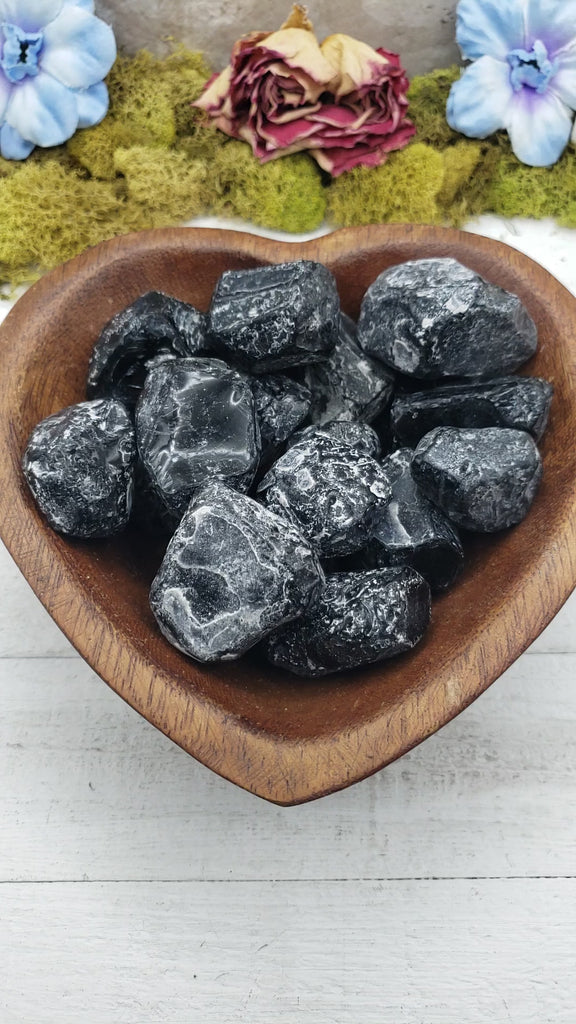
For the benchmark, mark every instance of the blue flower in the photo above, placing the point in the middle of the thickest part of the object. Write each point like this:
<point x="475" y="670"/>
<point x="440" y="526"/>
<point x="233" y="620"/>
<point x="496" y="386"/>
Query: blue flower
<point x="523" y="75"/>
<point x="53" y="57"/>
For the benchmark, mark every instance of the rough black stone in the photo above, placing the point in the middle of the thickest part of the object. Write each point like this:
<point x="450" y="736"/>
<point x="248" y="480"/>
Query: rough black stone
<point x="79" y="464"/>
<point x="522" y="403"/>
<point x="359" y="618"/>
<point x="281" y="406"/>
<point x="357" y="435"/>
<point x="153" y="329"/>
<point x="196" y="421"/>
<point x="276" y="316"/>
<point x="329" y="490"/>
<point x="411" y="530"/>
<point x="436" y="318"/>
<point x="483" y="479"/>
<point x="348" y="385"/>
<point x="149" y="510"/>
<point x="232" y="573"/>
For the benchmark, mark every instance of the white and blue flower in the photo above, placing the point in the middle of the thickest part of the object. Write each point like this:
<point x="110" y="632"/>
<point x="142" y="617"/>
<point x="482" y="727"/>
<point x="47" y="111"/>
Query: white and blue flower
<point x="523" y="75"/>
<point x="53" y="57"/>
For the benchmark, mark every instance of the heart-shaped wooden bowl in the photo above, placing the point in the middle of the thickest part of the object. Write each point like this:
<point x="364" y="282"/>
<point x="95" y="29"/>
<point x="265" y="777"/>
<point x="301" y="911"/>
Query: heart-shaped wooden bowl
<point x="282" y="738"/>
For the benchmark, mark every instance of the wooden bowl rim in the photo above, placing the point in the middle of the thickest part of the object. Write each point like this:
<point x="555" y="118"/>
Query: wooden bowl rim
<point x="359" y="749"/>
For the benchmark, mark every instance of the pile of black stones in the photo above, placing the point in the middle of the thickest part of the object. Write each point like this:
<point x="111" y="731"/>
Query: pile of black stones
<point x="313" y="478"/>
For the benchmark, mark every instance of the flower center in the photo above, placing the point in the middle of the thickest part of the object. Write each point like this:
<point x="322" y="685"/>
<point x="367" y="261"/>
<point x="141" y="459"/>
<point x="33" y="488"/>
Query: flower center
<point x="531" y="67"/>
<point x="20" y="53"/>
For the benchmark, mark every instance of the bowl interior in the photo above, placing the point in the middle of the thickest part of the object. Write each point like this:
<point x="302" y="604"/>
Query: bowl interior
<point x="286" y="739"/>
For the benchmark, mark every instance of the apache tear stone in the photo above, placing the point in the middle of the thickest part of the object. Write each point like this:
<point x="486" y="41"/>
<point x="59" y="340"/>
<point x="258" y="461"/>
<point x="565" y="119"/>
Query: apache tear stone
<point x="149" y="511"/>
<point x="357" y="435"/>
<point x="348" y="385"/>
<point x="79" y="465"/>
<point x="328" y="490"/>
<point x="281" y="405"/>
<point x="232" y="573"/>
<point x="277" y="316"/>
<point x="412" y="531"/>
<point x="522" y="403"/>
<point x="155" y="328"/>
<point x="196" y="421"/>
<point x="483" y="479"/>
<point x="436" y="318"/>
<point x="360" y="618"/>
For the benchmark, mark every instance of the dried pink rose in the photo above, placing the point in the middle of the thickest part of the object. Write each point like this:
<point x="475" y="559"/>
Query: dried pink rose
<point x="283" y="93"/>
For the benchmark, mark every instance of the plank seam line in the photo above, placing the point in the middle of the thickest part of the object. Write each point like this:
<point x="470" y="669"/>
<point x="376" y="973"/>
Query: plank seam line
<point x="260" y="881"/>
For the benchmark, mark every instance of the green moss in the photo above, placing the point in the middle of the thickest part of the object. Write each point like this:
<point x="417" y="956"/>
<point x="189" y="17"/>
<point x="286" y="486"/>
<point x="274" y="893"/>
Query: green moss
<point x="163" y="185"/>
<point x="150" y="105"/>
<point x="48" y="214"/>
<point x="519" y="191"/>
<point x="285" y="194"/>
<point x="405" y="188"/>
<point x="428" y="95"/>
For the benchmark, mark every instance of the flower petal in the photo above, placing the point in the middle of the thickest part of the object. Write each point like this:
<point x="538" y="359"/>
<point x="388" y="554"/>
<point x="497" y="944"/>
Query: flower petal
<point x="539" y="127"/>
<point x="299" y="49"/>
<point x="552" y="21"/>
<point x="355" y="63"/>
<point x="5" y="93"/>
<point x="79" y="49"/>
<point x="478" y="101"/>
<point x="564" y="81"/>
<point x="43" y="110"/>
<point x="12" y="145"/>
<point x="92" y="105"/>
<point x="31" y="16"/>
<point x="490" y="27"/>
<point x="87" y="5"/>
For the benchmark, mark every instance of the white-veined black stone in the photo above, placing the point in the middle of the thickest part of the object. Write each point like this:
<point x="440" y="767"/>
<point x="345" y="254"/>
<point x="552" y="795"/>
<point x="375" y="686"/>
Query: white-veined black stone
<point x="328" y="490"/>
<point x="196" y="421"/>
<point x="359" y="618"/>
<point x="521" y="403"/>
<point x="274" y="317"/>
<point x="232" y="573"/>
<point x="348" y="385"/>
<point x="436" y="318"/>
<point x="154" y="328"/>
<point x="281" y="406"/>
<point x="484" y="479"/>
<point x="411" y="530"/>
<point x="79" y="464"/>
<point x="357" y="435"/>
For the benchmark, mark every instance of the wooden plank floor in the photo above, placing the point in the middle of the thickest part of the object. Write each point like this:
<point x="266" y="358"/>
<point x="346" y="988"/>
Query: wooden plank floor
<point x="136" y="886"/>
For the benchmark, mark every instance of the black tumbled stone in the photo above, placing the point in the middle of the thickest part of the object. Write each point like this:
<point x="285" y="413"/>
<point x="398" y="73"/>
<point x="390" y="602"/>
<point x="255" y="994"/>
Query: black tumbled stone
<point x="232" y="573"/>
<point x="154" y="328"/>
<point x="436" y="318"/>
<point x="281" y="406"/>
<point x="484" y="479"/>
<point x="275" y="317"/>
<point x="522" y="403"/>
<point x="328" y="490"/>
<point x="79" y="464"/>
<point x="359" y="618"/>
<point x="411" y="530"/>
<point x="196" y="421"/>
<point x="357" y="435"/>
<point x="348" y="385"/>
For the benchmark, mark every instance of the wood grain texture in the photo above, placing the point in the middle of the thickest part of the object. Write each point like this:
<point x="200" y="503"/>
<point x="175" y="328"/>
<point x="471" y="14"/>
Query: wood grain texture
<point x="416" y="952"/>
<point x="278" y="738"/>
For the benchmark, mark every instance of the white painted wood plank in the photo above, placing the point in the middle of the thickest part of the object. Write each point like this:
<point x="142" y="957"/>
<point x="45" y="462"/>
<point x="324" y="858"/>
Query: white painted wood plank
<point x="429" y="952"/>
<point x="90" y="790"/>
